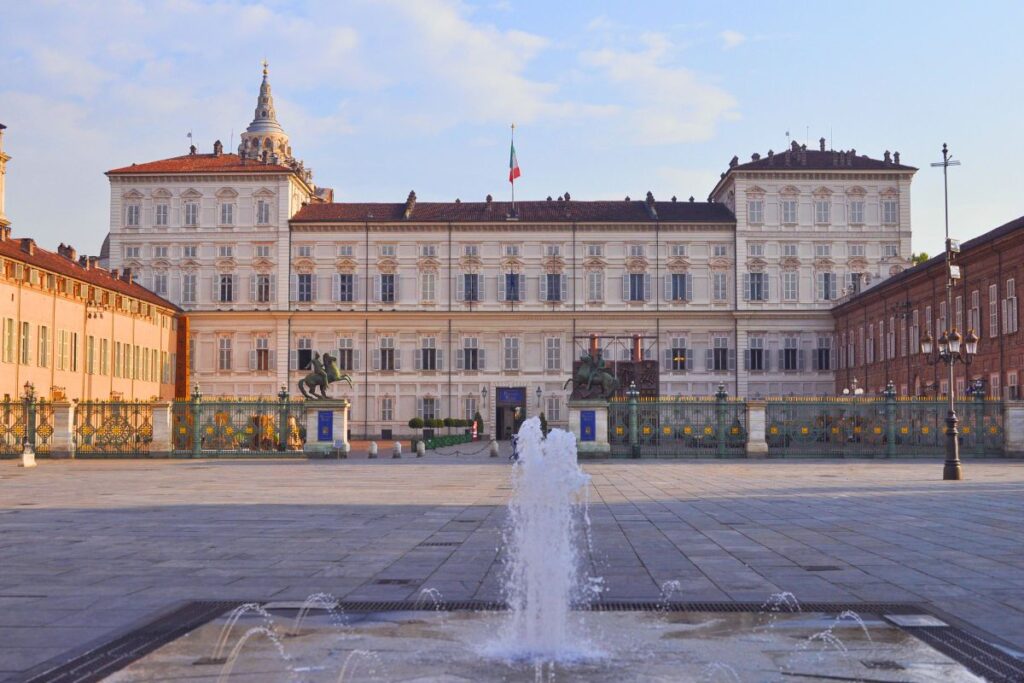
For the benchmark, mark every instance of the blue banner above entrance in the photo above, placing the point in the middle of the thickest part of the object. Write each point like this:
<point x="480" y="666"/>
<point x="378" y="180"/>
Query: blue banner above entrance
<point x="512" y="396"/>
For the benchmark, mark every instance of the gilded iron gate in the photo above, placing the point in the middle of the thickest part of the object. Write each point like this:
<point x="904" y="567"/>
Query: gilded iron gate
<point x="21" y="420"/>
<point x="237" y="427"/>
<point x="113" y="428"/>
<point x="680" y="427"/>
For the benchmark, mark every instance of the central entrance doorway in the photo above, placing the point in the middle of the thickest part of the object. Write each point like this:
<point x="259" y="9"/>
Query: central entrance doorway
<point x="510" y="411"/>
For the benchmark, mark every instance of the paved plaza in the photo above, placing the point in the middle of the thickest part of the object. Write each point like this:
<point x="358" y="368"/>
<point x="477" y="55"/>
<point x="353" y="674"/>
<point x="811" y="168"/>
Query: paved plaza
<point x="88" y="548"/>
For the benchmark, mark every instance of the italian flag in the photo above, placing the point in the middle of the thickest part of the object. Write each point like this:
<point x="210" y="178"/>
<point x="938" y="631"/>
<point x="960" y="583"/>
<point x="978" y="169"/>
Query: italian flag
<point x="513" y="165"/>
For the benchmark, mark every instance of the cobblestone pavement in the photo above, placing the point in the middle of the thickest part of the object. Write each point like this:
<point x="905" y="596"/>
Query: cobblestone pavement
<point x="91" y="547"/>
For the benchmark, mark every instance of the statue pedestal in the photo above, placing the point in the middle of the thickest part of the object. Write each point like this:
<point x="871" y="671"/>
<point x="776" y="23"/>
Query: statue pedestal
<point x="588" y="420"/>
<point x="326" y="426"/>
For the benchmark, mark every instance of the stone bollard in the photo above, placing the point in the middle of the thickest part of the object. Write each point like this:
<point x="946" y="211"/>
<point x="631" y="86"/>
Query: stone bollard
<point x="28" y="454"/>
<point x="421" y="449"/>
<point x="344" y="450"/>
<point x="494" y="447"/>
<point x="373" y="450"/>
<point x="396" y="450"/>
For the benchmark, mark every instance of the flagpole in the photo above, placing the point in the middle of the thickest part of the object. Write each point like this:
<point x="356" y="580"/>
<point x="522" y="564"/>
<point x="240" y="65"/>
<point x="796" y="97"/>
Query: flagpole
<point x="511" y="176"/>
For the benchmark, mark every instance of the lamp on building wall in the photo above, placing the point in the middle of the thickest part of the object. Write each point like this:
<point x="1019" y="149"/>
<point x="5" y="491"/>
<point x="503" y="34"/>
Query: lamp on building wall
<point x="30" y="391"/>
<point x="539" y="392"/>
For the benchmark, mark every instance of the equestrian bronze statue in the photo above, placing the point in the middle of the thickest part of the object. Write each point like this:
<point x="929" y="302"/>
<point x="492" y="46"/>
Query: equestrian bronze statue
<point x="325" y="372"/>
<point x="592" y="380"/>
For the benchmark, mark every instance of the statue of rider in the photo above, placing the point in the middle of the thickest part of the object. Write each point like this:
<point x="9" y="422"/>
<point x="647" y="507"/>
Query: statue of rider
<point x="318" y="366"/>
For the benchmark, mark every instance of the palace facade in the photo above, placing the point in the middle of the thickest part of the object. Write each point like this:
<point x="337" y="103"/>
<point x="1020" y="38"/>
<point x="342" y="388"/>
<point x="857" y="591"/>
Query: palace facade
<point x="446" y="309"/>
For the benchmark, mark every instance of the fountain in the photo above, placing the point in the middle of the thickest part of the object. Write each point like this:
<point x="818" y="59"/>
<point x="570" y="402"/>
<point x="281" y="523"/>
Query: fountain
<point x="554" y="628"/>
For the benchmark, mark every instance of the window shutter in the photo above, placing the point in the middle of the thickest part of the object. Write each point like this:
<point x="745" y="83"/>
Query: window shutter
<point x="667" y="286"/>
<point x="746" y="359"/>
<point x="376" y="358"/>
<point x="543" y="289"/>
<point x="293" y="287"/>
<point x="398" y="282"/>
<point x="336" y="287"/>
<point x="709" y="358"/>
<point x="271" y="360"/>
<point x="273" y="288"/>
<point x="419" y="407"/>
<point x="667" y="354"/>
<point x="766" y="293"/>
<point x="746" y="286"/>
<point x="376" y="288"/>
<point x="440" y="359"/>
<point x="417" y="357"/>
<point x="252" y="360"/>
<point x="460" y="286"/>
<point x="688" y="354"/>
<point x="732" y="359"/>
<point x="356" y="287"/>
<point x="481" y="364"/>
<point x="564" y="285"/>
<point x="398" y="359"/>
<point x="252" y="288"/>
<point x="625" y="287"/>
<point x="801" y="356"/>
<point x="648" y="292"/>
<point x="816" y="360"/>
<point x="501" y="286"/>
<point x="460" y="359"/>
<point x="293" y="360"/>
<point x="767" y="355"/>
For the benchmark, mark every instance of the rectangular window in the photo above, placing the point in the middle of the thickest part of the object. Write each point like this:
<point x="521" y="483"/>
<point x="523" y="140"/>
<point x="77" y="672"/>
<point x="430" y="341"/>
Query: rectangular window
<point x="552" y="286"/>
<point x="470" y="287"/>
<point x="789" y="211"/>
<point x="595" y="250"/>
<point x="227" y="288"/>
<point x="790" y="354"/>
<point x="755" y="249"/>
<point x="346" y="354"/>
<point x="974" y="314"/>
<point x="225" y="251"/>
<point x="132" y="252"/>
<point x="9" y="336"/>
<point x="857" y="212"/>
<point x="595" y="285"/>
<point x="679" y="287"/>
<point x="826" y="286"/>
<point x="304" y="353"/>
<point x="104" y="356"/>
<point x="26" y="344"/>
<point x="160" y="283"/>
<point x="90" y="355"/>
<point x="823" y="250"/>
<point x="428" y="354"/>
<point x="304" y="251"/>
<point x="428" y="250"/>
<point x="43" y="359"/>
<point x="755" y="211"/>
<point x="678" y="250"/>
<point x="262" y="354"/>
<point x="428" y="408"/>
<point x="720" y="354"/>
<point x="553" y="353"/>
<point x="262" y="212"/>
<point x="188" y="288"/>
<point x="552" y="250"/>
<point x="387" y="354"/>
<point x="510" y="250"/>
<point x="160" y="251"/>
<point x="224" y="353"/>
<point x="133" y="212"/>
<point x="388" y="250"/>
<point x="636" y="250"/>
<point x="757" y="286"/>
<point x="261" y="251"/>
<point x="471" y="250"/>
<point x="469" y="407"/>
<point x="554" y="408"/>
<point x="720" y="286"/>
<point x="720" y="250"/>
<point x="636" y="287"/>
<point x="1010" y="307"/>
<point x="890" y="250"/>
<point x="512" y="287"/>
<point x="823" y="354"/>
<point x="890" y="212"/>
<point x="304" y="284"/>
<point x="856" y="250"/>
<point x="118" y="369"/>
<point x="993" y="310"/>
<point x="472" y="356"/>
<point x="189" y="251"/>
<point x="822" y="211"/>
<point x="678" y="358"/>
<point x="755" y="355"/>
<point x="387" y="288"/>
<point x="790" y="285"/>
<point x="162" y="212"/>
<point x="191" y="210"/>
<point x="262" y="294"/>
<point x="227" y="214"/>
<point x="387" y="409"/>
<point x="345" y="250"/>
<point x="511" y="347"/>
<point x="789" y="249"/>
<point x="73" y="343"/>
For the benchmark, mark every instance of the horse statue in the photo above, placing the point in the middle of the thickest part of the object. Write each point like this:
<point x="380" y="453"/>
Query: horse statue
<point x="324" y="373"/>
<point x="592" y="371"/>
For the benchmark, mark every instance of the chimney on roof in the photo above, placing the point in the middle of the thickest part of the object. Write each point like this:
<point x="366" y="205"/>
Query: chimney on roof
<point x="5" y="233"/>
<point x="113" y="273"/>
<point x="896" y="157"/>
<point x="887" y="157"/>
<point x="28" y="245"/>
<point x="410" y="204"/>
<point x="94" y="262"/>
<point x="821" y="144"/>
<point x="734" y="161"/>
<point x="83" y="262"/>
<point x="192" y="150"/>
<point x="70" y="253"/>
<point x="218" y="148"/>
<point x="126" y="275"/>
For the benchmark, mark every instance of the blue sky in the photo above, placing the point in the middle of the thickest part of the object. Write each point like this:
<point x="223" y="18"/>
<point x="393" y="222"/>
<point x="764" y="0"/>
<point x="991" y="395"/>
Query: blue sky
<point x="609" y="99"/>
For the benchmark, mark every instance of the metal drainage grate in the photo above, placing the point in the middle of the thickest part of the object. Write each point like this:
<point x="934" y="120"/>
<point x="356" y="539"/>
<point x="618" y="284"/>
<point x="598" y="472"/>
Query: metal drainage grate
<point x="393" y="582"/>
<point x="822" y="568"/>
<point x="440" y="544"/>
<point x="989" y="662"/>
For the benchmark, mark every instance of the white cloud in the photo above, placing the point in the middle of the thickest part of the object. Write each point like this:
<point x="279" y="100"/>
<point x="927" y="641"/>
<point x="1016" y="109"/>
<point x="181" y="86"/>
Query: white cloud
<point x="665" y="103"/>
<point x="731" y="39"/>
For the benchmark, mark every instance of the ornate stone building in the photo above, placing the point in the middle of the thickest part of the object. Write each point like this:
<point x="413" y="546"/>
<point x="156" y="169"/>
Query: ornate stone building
<point x="445" y="309"/>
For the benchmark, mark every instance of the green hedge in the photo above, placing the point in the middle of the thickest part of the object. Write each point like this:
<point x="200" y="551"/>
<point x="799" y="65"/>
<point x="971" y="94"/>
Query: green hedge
<point x="447" y="440"/>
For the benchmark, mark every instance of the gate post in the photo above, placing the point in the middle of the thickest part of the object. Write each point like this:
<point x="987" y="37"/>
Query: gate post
<point x="283" y="432"/>
<point x="634" y="425"/>
<point x="63" y="444"/>
<point x="197" y="432"/>
<point x="979" y="424"/>
<point x="162" y="443"/>
<point x="1013" y="428"/>
<point x="30" y="419"/>
<point x="757" y="420"/>
<point x="890" y="420"/>
<point x="720" y="427"/>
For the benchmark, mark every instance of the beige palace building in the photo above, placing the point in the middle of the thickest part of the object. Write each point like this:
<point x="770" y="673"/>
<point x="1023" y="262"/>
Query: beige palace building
<point x="73" y="329"/>
<point x="442" y="309"/>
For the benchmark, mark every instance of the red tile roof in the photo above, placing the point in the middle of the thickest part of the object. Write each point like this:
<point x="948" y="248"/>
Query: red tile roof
<point x="817" y="160"/>
<point x="203" y="163"/>
<point x="637" y="211"/>
<point x="99" y="277"/>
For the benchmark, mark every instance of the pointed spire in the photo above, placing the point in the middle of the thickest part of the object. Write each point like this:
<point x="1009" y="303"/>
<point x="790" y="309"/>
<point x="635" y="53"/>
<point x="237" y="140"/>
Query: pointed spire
<point x="265" y="136"/>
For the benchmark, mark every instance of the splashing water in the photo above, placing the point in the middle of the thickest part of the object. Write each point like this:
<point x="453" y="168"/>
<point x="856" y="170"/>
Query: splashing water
<point x="668" y="589"/>
<point x="229" y="665"/>
<point x="236" y="614"/>
<point x="433" y="595"/>
<point x="717" y="672"/>
<point x="781" y="602"/>
<point x="544" y="573"/>
<point x="353" y="660"/>
<point x="320" y="601"/>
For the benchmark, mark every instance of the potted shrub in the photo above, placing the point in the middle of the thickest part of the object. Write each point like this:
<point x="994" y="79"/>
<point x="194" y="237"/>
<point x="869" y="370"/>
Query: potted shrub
<point x="478" y="418"/>
<point x="543" y="424"/>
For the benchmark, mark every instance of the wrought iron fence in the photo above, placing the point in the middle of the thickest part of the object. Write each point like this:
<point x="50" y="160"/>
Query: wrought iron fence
<point x="113" y="428"/>
<point x="678" y="427"/>
<point x="237" y="427"/>
<point x="22" y="420"/>
<point x="878" y="427"/>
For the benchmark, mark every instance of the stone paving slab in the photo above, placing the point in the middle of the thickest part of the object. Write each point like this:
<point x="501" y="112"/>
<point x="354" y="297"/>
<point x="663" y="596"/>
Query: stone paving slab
<point x="91" y="547"/>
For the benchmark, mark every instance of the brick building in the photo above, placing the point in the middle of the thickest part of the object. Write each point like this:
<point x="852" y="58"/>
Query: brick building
<point x="878" y="332"/>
